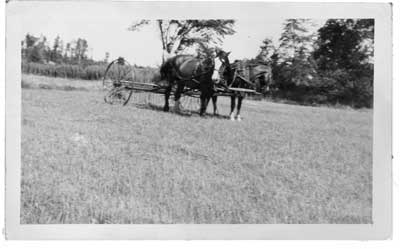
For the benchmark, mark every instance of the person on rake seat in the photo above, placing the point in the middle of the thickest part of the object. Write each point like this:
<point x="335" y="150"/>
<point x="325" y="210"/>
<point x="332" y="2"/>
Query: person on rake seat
<point x="170" y="51"/>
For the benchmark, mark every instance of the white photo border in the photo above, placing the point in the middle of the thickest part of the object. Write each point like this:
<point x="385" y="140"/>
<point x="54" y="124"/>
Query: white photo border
<point x="382" y="128"/>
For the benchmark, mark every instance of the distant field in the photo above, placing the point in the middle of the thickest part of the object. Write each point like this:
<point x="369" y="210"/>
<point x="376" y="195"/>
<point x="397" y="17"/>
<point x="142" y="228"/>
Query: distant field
<point x="44" y="82"/>
<point x="84" y="161"/>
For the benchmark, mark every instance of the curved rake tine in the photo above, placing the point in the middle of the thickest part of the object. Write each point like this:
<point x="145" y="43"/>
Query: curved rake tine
<point x="150" y="99"/>
<point x="129" y="97"/>
<point x="190" y="104"/>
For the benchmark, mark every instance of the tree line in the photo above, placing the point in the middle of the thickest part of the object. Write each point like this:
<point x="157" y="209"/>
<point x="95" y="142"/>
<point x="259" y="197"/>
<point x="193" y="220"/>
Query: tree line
<point x="332" y="66"/>
<point x="67" y="60"/>
<point x="37" y="49"/>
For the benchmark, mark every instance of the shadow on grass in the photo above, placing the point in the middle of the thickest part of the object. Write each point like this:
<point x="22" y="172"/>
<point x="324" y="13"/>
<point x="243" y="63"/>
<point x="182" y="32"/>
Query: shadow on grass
<point x="186" y="113"/>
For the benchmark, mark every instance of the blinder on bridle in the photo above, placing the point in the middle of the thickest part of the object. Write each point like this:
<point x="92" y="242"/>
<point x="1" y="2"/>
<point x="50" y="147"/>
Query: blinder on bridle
<point x="221" y="55"/>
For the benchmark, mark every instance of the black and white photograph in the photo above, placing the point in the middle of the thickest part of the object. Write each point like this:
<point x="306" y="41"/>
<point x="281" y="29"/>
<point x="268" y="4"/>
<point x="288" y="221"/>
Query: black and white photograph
<point x="128" y="118"/>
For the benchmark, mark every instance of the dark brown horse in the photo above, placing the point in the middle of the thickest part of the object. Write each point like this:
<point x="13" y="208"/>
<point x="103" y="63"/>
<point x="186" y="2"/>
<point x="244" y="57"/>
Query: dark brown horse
<point x="240" y="75"/>
<point x="191" y="72"/>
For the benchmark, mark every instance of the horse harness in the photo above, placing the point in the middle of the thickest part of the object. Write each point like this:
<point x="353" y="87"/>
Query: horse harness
<point x="238" y="69"/>
<point x="195" y="73"/>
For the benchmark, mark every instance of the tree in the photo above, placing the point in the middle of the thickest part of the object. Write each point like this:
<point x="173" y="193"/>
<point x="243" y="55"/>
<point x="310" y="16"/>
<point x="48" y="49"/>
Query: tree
<point x="345" y="48"/>
<point x="366" y="28"/>
<point x="106" y="57"/>
<point x="56" y="53"/>
<point x="267" y="49"/>
<point x="338" y="44"/>
<point x="184" y="33"/>
<point x="292" y="62"/>
<point x="28" y="46"/>
<point x="30" y="40"/>
<point x="43" y="48"/>
<point x="81" y="47"/>
<point x="295" y="38"/>
<point x="35" y="49"/>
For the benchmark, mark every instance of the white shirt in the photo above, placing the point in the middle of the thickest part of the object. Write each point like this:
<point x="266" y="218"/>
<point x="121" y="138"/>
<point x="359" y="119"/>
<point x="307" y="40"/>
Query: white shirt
<point x="167" y="55"/>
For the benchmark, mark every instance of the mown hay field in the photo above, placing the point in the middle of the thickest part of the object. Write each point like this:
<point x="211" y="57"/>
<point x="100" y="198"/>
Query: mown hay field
<point x="84" y="161"/>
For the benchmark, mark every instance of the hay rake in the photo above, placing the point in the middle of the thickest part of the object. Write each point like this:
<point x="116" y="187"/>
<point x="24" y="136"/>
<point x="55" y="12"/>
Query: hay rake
<point x="120" y="84"/>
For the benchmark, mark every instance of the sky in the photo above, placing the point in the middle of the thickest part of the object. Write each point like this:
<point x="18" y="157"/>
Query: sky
<point x="105" y="27"/>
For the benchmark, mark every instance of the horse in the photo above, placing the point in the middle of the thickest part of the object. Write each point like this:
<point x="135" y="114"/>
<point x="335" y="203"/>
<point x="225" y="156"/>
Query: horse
<point x="191" y="72"/>
<point x="236" y="75"/>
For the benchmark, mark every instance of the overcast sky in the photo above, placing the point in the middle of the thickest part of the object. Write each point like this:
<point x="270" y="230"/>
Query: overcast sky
<point x="105" y="27"/>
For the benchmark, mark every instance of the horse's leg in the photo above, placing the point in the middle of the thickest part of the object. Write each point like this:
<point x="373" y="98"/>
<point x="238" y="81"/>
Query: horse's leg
<point x="214" y="101"/>
<point x="178" y="93"/>
<point x="233" y="104"/>
<point x="240" y="99"/>
<point x="167" y="94"/>
<point x="207" y="101"/>
<point x="203" y="100"/>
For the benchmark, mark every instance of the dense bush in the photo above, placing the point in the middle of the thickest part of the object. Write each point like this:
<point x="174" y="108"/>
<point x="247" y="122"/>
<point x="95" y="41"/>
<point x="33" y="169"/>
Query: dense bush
<point x="330" y="87"/>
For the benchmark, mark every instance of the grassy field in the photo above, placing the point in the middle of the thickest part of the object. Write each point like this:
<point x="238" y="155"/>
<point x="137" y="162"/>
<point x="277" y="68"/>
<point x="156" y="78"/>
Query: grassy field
<point x="84" y="161"/>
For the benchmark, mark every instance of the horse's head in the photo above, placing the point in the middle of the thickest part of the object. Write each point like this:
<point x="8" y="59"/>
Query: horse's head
<point x="222" y="55"/>
<point x="225" y="71"/>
